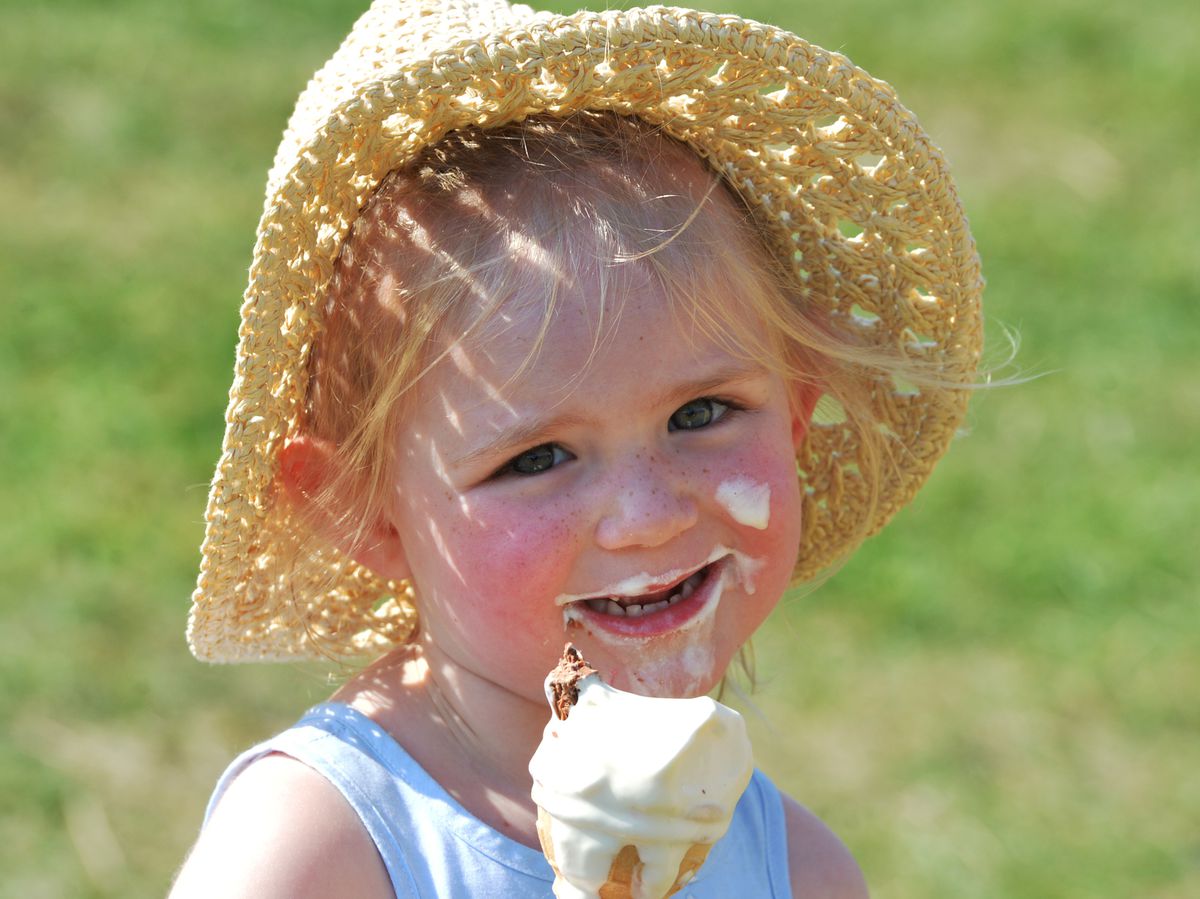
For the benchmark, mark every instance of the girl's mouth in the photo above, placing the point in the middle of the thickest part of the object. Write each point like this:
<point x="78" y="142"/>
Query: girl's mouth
<point x="688" y="598"/>
<point x="648" y="603"/>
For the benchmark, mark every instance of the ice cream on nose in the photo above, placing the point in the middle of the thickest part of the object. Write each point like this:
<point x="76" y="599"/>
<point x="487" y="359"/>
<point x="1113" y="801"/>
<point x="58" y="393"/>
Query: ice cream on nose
<point x="632" y="791"/>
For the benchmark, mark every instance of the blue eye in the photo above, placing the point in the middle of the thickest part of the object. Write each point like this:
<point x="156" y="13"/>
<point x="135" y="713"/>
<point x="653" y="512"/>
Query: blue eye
<point x="539" y="459"/>
<point x="696" y="414"/>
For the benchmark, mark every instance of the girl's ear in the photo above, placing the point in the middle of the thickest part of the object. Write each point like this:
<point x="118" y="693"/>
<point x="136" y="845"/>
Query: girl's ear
<point x="805" y="395"/>
<point x="306" y="473"/>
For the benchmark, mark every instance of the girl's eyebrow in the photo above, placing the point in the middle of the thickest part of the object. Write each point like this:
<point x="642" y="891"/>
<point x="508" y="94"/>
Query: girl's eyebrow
<point x="525" y="434"/>
<point x="540" y="430"/>
<point x="726" y="376"/>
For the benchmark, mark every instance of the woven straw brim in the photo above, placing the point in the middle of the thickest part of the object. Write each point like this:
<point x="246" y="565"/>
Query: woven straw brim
<point x="852" y="192"/>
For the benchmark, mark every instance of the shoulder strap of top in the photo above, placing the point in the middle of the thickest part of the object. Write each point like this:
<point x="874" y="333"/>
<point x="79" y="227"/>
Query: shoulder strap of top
<point x="773" y="837"/>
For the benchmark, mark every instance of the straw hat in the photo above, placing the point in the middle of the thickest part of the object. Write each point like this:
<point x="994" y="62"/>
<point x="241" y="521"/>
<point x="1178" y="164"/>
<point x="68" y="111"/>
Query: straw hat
<point x="853" y="193"/>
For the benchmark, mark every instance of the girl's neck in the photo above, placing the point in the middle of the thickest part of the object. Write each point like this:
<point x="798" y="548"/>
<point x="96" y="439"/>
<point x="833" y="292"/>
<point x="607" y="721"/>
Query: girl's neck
<point x="472" y="736"/>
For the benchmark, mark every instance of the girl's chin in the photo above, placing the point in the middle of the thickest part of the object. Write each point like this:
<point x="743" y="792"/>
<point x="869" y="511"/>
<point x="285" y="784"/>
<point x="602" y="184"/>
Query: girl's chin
<point x="667" y="687"/>
<point x="693" y="673"/>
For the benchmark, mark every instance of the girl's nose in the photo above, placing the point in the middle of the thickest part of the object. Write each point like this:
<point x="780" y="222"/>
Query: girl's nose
<point x="646" y="512"/>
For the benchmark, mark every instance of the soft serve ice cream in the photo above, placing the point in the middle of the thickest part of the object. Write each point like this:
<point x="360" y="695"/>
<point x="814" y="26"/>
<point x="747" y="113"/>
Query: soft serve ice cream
<point x="630" y="788"/>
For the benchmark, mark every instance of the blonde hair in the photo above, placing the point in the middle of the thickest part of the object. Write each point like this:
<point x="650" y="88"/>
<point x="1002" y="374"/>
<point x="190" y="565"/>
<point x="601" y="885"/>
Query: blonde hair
<point x="430" y="259"/>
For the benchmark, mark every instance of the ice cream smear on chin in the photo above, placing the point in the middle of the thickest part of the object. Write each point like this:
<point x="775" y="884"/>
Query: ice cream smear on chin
<point x="747" y="502"/>
<point x="632" y="791"/>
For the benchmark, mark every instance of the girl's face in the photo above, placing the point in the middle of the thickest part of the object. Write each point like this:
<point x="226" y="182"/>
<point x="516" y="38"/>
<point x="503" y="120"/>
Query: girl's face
<point x="627" y="486"/>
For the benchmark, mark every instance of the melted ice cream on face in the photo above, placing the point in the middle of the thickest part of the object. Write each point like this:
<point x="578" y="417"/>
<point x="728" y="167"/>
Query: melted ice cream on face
<point x="682" y="662"/>
<point x="747" y="501"/>
<point x="744" y="568"/>
<point x="622" y="769"/>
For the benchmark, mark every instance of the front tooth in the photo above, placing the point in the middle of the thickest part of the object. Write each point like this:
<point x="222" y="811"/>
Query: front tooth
<point x="615" y="608"/>
<point x="658" y="606"/>
<point x="636" y="611"/>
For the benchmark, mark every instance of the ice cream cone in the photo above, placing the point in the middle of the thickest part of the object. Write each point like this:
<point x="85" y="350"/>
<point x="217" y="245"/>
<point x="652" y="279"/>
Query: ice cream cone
<point x="626" y="866"/>
<point x="543" y="832"/>
<point x="632" y="791"/>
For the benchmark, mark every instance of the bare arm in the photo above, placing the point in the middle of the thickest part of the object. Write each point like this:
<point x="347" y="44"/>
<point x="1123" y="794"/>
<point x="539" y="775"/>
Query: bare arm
<point x="820" y="865"/>
<point x="282" y="830"/>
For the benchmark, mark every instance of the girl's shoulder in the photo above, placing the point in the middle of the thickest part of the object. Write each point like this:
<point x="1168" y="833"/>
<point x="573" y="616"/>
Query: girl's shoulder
<point x="337" y="790"/>
<point x="281" y="829"/>
<point x="819" y="864"/>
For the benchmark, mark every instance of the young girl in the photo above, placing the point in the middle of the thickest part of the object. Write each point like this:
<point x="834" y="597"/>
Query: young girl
<point x="604" y="328"/>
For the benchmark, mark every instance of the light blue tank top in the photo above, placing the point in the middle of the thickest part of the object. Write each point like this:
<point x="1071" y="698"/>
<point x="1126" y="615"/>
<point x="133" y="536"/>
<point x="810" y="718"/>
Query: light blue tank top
<point x="435" y="849"/>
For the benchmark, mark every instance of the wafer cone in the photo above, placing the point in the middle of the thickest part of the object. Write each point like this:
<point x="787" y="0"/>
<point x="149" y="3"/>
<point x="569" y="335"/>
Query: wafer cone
<point x="626" y="865"/>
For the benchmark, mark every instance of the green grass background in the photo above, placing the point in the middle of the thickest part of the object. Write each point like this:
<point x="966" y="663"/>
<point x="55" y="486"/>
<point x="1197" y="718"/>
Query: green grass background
<point x="998" y="697"/>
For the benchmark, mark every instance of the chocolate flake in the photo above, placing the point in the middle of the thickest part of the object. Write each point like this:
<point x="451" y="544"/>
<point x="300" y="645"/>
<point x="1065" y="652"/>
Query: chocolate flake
<point x="565" y="678"/>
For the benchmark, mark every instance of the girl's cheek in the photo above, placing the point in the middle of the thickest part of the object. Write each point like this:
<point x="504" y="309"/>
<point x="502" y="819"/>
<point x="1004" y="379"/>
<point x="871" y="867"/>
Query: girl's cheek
<point x="518" y="549"/>
<point x="747" y="500"/>
<point x="753" y="482"/>
<point x="757" y="490"/>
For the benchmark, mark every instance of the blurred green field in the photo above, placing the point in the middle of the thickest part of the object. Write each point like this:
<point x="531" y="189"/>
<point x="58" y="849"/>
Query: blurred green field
<point x="998" y="697"/>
